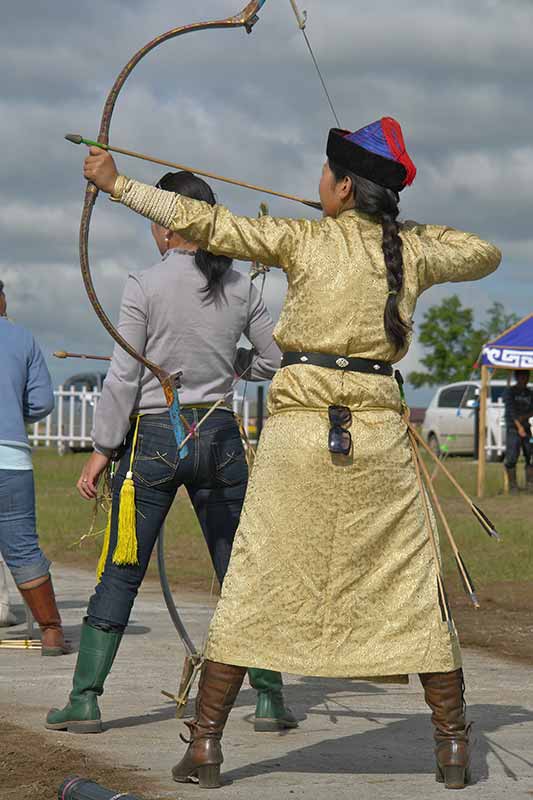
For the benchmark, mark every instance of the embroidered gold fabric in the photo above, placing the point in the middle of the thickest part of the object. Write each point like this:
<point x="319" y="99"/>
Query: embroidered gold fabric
<point x="332" y="571"/>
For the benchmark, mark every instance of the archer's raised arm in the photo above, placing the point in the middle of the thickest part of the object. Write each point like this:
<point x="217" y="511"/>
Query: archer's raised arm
<point x="270" y="240"/>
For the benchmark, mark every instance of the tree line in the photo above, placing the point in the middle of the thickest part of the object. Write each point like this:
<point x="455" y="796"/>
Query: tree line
<point x="453" y="341"/>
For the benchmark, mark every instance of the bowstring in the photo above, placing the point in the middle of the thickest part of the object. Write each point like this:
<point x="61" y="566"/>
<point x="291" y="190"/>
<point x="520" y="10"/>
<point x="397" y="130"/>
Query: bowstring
<point x="302" y="22"/>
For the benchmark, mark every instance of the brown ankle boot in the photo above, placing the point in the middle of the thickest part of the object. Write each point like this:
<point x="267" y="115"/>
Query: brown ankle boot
<point x="444" y="692"/>
<point x="217" y="691"/>
<point x="42" y="604"/>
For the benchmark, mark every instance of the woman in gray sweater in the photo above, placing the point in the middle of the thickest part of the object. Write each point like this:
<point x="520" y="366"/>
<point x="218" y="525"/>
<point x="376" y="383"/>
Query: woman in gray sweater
<point x="187" y="313"/>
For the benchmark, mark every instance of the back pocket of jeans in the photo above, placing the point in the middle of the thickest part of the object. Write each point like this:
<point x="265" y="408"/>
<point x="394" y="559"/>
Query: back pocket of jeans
<point x="155" y="461"/>
<point x="229" y="462"/>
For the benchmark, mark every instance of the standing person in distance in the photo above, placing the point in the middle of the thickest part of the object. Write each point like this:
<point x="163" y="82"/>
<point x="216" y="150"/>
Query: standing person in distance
<point x="518" y="401"/>
<point x="26" y="396"/>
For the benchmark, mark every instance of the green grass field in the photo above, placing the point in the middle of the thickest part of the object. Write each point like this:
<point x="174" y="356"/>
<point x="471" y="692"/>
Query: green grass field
<point x="63" y="518"/>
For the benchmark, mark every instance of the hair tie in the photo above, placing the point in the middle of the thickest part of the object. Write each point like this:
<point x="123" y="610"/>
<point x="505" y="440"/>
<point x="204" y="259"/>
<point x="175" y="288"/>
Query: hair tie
<point x="392" y="293"/>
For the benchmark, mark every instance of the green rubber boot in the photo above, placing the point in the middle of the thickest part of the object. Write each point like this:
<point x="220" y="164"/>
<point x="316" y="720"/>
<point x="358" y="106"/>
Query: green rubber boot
<point x="97" y="652"/>
<point x="271" y="713"/>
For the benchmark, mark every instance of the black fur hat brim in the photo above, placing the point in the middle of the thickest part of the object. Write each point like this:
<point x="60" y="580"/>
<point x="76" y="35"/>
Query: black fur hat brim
<point x="354" y="158"/>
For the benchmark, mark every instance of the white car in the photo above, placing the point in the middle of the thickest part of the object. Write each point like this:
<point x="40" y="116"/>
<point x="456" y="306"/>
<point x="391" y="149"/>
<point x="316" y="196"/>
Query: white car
<point x="450" y="421"/>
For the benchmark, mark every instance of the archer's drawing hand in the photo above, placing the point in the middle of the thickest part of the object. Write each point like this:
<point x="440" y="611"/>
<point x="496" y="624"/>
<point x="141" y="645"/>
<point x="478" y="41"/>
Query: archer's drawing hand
<point x="99" y="167"/>
<point x="87" y="484"/>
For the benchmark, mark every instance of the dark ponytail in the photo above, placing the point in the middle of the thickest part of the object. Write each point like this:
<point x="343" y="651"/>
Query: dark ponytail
<point x="383" y="204"/>
<point x="211" y="266"/>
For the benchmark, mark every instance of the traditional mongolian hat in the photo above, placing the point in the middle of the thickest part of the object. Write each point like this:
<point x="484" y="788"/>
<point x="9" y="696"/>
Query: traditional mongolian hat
<point x="376" y="152"/>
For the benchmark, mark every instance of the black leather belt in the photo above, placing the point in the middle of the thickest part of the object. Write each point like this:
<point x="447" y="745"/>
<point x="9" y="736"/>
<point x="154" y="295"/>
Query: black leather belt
<point x="367" y="365"/>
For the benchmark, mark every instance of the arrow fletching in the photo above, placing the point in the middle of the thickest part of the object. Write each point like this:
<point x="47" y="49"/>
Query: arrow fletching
<point x="468" y="583"/>
<point x="486" y="523"/>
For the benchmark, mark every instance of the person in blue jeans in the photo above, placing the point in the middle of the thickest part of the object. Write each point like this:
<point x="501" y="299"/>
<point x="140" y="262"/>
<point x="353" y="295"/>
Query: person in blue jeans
<point x="187" y="313"/>
<point x="26" y="396"/>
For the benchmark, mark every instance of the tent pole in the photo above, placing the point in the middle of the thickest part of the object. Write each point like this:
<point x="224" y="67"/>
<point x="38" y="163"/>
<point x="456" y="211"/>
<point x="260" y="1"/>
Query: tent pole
<point x="482" y="458"/>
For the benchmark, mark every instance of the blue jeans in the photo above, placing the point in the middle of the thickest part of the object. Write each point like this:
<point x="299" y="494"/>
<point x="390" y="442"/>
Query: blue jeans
<point x="215" y="475"/>
<point x="19" y="542"/>
<point x="514" y="444"/>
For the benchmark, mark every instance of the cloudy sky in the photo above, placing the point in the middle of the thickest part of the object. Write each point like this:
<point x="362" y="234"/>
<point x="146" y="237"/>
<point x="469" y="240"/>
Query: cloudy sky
<point x="457" y="74"/>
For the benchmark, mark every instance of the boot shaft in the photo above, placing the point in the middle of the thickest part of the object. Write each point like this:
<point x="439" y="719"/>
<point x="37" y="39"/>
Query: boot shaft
<point x="96" y="655"/>
<point x="511" y="477"/>
<point x="265" y="680"/>
<point x="444" y="693"/>
<point x="42" y="604"/>
<point x="218" y="688"/>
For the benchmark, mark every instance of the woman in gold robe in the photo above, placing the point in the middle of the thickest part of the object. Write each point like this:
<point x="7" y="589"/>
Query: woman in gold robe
<point x="335" y="566"/>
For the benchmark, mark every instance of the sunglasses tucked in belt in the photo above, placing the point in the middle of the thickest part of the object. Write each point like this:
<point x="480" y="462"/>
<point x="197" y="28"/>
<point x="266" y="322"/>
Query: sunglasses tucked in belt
<point x="340" y="439"/>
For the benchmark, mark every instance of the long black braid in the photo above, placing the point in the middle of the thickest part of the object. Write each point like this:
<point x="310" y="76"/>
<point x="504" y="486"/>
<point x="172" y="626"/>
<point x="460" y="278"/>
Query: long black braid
<point x="383" y="204"/>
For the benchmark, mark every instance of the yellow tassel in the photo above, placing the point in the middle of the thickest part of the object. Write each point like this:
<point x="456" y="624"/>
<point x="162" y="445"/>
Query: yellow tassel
<point x="126" y="549"/>
<point x="105" y="549"/>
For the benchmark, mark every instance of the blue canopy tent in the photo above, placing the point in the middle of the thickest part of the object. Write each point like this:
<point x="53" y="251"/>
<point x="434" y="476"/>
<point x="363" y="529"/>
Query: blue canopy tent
<point x="512" y="349"/>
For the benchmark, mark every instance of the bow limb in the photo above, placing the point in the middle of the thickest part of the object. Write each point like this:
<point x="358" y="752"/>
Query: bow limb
<point x="188" y="643"/>
<point x="245" y="19"/>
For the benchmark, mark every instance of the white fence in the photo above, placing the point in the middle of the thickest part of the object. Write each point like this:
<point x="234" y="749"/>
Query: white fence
<point x="69" y="426"/>
<point x="495" y="438"/>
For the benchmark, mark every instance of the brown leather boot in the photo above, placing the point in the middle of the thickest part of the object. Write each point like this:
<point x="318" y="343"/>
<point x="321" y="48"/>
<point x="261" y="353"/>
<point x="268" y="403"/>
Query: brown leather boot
<point x="217" y="691"/>
<point x="42" y="604"/>
<point x="444" y="692"/>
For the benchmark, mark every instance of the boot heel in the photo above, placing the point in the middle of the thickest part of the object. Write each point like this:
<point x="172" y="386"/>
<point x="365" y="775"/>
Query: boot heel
<point x="453" y="777"/>
<point x="209" y="776"/>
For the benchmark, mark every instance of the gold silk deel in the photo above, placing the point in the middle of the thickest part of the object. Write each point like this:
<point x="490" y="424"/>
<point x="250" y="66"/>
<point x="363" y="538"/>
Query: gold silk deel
<point x="332" y="571"/>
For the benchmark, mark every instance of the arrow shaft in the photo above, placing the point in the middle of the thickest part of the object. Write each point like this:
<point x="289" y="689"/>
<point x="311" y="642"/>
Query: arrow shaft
<point x="64" y="354"/>
<point x="204" y="173"/>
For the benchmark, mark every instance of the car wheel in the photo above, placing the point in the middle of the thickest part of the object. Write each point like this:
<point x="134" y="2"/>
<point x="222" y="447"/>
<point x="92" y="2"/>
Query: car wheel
<point x="434" y="444"/>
